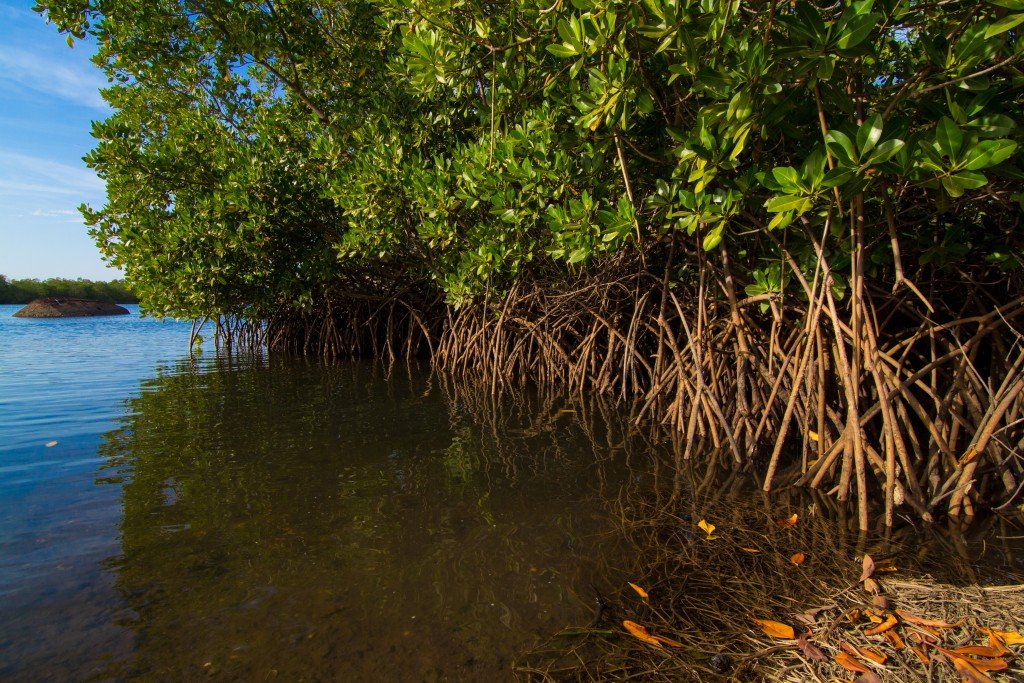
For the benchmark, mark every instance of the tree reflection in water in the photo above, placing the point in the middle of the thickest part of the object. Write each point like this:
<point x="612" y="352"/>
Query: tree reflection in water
<point x="294" y="519"/>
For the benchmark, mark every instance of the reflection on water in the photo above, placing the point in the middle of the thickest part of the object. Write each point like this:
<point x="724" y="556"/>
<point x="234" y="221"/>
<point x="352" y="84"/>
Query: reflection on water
<point x="300" y="521"/>
<point x="283" y="518"/>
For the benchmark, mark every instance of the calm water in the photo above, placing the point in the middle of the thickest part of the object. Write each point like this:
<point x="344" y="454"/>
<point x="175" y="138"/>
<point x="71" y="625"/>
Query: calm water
<point x="250" y="520"/>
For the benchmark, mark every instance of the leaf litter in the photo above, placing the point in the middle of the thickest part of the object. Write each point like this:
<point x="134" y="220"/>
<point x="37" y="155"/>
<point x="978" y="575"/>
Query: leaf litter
<point x="754" y="616"/>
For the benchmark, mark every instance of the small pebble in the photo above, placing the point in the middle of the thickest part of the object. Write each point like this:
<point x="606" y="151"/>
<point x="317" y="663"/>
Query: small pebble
<point x="720" y="663"/>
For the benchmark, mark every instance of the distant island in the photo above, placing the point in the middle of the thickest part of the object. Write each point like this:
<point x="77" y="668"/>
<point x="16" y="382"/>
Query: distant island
<point x="25" y="291"/>
<point x="50" y="307"/>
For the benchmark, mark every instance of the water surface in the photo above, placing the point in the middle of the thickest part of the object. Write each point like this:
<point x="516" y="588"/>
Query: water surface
<point x="249" y="519"/>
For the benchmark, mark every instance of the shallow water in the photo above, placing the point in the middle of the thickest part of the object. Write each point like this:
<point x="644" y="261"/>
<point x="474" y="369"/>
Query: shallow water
<point x="282" y="518"/>
<point x="247" y="520"/>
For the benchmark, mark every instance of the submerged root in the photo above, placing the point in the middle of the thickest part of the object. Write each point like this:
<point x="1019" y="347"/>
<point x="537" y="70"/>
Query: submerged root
<point x="711" y="598"/>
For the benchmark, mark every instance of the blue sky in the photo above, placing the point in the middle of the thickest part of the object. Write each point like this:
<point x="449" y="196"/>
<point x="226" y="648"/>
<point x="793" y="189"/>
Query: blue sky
<point x="48" y="98"/>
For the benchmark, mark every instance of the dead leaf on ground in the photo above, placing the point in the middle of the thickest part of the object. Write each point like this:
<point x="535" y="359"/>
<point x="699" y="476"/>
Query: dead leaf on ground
<point x="709" y="529"/>
<point x="920" y="654"/>
<point x="776" y="629"/>
<point x="889" y="622"/>
<point x="639" y="591"/>
<point x="895" y="640"/>
<point x="640" y="633"/>
<point x="868" y="677"/>
<point x="1006" y="637"/>
<point x="872" y="586"/>
<point x="798" y="558"/>
<point x="886" y="565"/>
<point x="880" y="601"/>
<point x="810" y="650"/>
<point x="752" y="551"/>
<point x="968" y="673"/>
<point x="787" y="522"/>
<point x="980" y="651"/>
<point x="667" y="641"/>
<point x="868" y="568"/>
<point x="921" y="621"/>
<point x="850" y="663"/>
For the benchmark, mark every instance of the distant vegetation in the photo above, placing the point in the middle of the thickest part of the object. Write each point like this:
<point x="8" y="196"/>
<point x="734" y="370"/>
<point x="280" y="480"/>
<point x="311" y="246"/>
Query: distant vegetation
<point x="23" y="291"/>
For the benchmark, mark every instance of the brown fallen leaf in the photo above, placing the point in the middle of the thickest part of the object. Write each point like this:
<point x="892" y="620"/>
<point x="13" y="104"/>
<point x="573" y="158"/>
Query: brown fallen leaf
<point x="850" y="663"/>
<point x="787" y="522"/>
<point x="880" y="601"/>
<point x="869" y="568"/>
<point x="640" y="633"/>
<point x="872" y="586"/>
<point x="889" y="622"/>
<point x="798" y="558"/>
<point x="868" y="677"/>
<point x="639" y="591"/>
<point x="752" y="551"/>
<point x="968" y="673"/>
<point x="920" y="654"/>
<point x="776" y="629"/>
<point x="921" y="621"/>
<point x="895" y="640"/>
<point x="810" y="650"/>
<point x="923" y="638"/>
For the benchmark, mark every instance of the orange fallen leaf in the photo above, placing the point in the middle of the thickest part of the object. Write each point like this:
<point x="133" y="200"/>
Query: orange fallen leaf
<point x="640" y="633"/>
<point x="895" y="640"/>
<point x="920" y="654"/>
<point x="889" y="622"/>
<point x="979" y="664"/>
<point x="787" y="522"/>
<point x="997" y="643"/>
<point x="798" y="559"/>
<point x="666" y="641"/>
<point x="639" y="591"/>
<point x="920" y="621"/>
<point x="968" y="672"/>
<point x="868" y="677"/>
<point x="979" y="651"/>
<point x="849" y="663"/>
<point x="872" y="586"/>
<point x="874" y="655"/>
<point x="776" y="629"/>
<point x="880" y="601"/>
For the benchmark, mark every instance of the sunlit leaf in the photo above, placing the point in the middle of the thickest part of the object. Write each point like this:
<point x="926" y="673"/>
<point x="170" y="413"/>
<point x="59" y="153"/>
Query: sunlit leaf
<point x="797" y="558"/>
<point x="889" y="622"/>
<point x="640" y="633"/>
<point x="849" y="663"/>
<point x="709" y="529"/>
<point x="787" y="522"/>
<point x="776" y="629"/>
<point x="1007" y="637"/>
<point x="639" y="591"/>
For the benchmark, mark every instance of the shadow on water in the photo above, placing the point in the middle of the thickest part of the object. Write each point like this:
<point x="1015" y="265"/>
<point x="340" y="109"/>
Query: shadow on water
<point x="299" y="520"/>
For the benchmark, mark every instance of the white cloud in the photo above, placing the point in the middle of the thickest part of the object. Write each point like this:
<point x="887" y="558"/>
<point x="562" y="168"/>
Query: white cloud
<point x="29" y="174"/>
<point x="62" y="78"/>
<point x="69" y="215"/>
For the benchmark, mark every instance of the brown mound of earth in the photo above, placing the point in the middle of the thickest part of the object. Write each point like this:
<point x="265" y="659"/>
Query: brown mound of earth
<point x="68" y="308"/>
